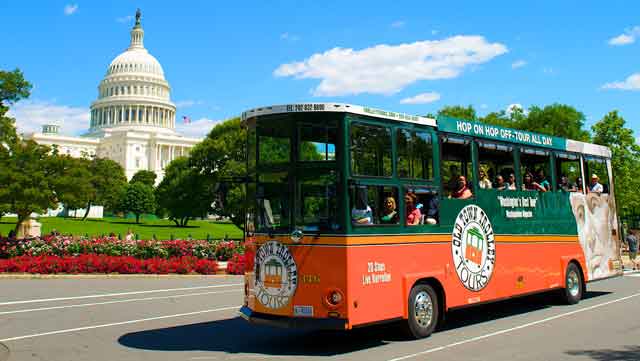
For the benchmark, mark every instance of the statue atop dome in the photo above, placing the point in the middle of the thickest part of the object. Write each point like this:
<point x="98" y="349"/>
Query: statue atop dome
<point x="138" y="15"/>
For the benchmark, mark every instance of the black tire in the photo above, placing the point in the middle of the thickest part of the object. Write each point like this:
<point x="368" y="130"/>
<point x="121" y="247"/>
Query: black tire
<point x="573" y="285"/>
<point x="421" y="323"/>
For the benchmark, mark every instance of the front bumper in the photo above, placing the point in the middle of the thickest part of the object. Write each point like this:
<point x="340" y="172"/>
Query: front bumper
<point x="292" y="322"/>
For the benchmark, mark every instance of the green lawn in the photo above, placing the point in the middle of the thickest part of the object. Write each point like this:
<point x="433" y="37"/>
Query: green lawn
<point x="163" y="229"/>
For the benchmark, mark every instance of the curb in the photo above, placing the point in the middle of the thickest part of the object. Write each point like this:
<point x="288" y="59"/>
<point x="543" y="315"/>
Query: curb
<point x="107" y="276"/>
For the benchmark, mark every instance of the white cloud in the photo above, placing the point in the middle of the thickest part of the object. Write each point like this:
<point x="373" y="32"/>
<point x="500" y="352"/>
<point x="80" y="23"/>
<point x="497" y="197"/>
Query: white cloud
<point x="197" y="128"/>
<point x="518" y="64"/>
<point x="422" y="98"/>
<point x="398" y="24"/>
<point x="31" y="115"/>
<point x="387" y="69"/>
<point x="628" y="37"/>
<point x="631" y="83"/>
<point x="70" y="9"/>
<point x="125" y="19"/>
<point x="289" y="37"/>
<point x="187" y="103"/>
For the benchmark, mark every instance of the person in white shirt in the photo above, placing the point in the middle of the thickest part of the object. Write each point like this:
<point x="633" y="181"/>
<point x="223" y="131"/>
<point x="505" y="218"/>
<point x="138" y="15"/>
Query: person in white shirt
<point x="595" y="186"/>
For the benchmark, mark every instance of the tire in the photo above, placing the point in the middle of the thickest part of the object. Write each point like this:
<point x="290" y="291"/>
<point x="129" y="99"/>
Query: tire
<point x="573" y="285"/>
<point x="424" y="311"/>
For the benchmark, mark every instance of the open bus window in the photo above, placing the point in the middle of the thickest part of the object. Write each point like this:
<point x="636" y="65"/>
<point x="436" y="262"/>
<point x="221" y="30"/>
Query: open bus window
<point x="318" y="207"/>
<point x="422" y="205"/>
<point x="317" y="142"/>
<point x="568" y="171"/>
<point x="596" y="167"/>
<point x="496" y="166"/>
<point x="274" y="141"/>
<point x="415" y="154"/>
<point x="372" y="205"/>
<point x="273" y="202"/>
<point x="370" y="150"/>
<point x="535" y="166"/>
<point x="456" y="167"/>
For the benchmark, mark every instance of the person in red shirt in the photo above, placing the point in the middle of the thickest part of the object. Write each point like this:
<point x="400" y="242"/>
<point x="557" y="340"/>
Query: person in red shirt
<point x="413" y="214"/>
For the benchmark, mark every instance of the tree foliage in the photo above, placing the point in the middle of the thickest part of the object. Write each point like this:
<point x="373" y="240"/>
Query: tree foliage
<point x="72" y="185"/>
<point x="145" y="177"/>
<point x="459" y="111"/>
<point x="610" y="131"/>
<point x="183" y="193"/>
<point x="138" y="198"/>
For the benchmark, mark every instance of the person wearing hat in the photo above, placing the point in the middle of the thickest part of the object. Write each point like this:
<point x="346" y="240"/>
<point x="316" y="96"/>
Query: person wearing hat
<point x="595" y="186"/>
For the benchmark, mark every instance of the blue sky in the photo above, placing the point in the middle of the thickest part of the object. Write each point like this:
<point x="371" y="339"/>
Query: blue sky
<point x="411" y="56"/>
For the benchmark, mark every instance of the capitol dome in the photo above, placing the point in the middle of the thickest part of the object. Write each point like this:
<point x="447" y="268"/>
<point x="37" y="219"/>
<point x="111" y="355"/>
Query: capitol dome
<point x="134" y="91"/>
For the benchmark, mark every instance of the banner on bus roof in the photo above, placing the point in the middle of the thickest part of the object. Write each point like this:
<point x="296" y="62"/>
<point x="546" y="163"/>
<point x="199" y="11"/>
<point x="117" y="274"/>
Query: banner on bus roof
<point x="482" y="130"/>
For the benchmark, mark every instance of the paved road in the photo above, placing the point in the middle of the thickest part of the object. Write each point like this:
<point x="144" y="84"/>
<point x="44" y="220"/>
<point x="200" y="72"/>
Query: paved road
<point x="195" y="319"/>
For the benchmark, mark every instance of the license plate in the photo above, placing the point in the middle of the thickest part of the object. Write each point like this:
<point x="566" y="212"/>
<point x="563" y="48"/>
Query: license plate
<point x="303" y="311"/>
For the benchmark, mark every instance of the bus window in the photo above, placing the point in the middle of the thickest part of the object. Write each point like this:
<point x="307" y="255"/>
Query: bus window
<point x="568" y="171"/>
<point x="426" y="201"/>
<point x="415" y="154"/>
<point x="318" y="207"/>
<point x="596" y="167"/>
<point x="371" y="205"/>
<point x="370" y="150"/>
<point x="317" y="142"/>
<point x="273" y="201"/>
<point x="534" y="169"/>
<point x="456" y="172"/>
<point x="496" y="166"/>
<point x="274" y="141"/>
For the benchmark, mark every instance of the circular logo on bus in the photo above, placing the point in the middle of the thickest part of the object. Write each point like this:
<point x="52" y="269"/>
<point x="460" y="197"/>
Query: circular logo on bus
<point x="473" y="248"/>
<point x="276" y="275"/>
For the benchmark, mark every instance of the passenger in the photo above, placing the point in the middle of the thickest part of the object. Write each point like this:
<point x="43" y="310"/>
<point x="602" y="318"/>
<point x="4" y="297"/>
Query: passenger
<point x="390" y="212"/>
<point x="361" y="214"/>
<point x="454" y="173"/>
<point x="595" y="186"/>
<point x="579" y="185"/>
<point x="500" y="184"/>
<point x="542" y="180"/>
<point x="463" y="191"/>
<point x="530" y="185"/>
<point x="565" y="185"/>
<point x="413" y="213"/>
<point x="512" y="182"/>
<point x="433" y="210"/>
<point x="484" y="181"/>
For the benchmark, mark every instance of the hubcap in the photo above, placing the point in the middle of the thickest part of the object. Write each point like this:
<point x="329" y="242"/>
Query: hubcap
<point x="573" y="283"/>
<point x="423" y="309"/>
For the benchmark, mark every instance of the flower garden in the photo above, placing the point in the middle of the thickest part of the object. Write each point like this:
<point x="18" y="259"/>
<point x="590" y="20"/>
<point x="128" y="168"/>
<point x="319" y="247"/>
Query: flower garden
<point x="65" y="254"/>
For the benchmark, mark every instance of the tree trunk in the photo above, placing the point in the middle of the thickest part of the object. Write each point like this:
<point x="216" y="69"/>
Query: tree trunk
<point x="175" y="220"/>
<point x="137" y="218"/>
<point x="86" y="213"/>
<point x="184" y="221"/>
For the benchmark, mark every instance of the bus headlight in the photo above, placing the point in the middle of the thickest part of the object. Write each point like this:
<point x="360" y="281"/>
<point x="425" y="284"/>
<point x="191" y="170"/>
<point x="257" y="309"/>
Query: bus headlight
<point x="296" y="236"/>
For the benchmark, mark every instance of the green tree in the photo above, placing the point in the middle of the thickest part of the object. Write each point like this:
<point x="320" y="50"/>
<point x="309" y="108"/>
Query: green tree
<point x="72" y="185"/>
<point x="138" y="198"/>
<point x="145" y="177"/>
<point x="610" y="131"/>
<point x="559" y="120"/>
<point x="220" y="158"/>
<point x="183" y="193"/>
<point x="458" y="111"/>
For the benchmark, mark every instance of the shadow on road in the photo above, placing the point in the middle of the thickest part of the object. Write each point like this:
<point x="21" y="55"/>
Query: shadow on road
<point x="235" y="335"/>
<point x="630" y="353"/>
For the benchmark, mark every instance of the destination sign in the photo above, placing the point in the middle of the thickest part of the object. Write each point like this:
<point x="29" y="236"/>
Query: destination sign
<point x="489" y="131"/>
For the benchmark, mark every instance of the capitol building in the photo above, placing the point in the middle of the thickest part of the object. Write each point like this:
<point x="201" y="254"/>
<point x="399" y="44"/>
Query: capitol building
<point x="132" y="120"/>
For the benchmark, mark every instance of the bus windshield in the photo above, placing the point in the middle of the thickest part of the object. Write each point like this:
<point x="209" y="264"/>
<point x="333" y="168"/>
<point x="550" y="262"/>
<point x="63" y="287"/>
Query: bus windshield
<point x="295" y="172"/>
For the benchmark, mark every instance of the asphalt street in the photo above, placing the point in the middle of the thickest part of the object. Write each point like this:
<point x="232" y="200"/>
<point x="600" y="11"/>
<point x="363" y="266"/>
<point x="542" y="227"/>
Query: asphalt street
<point x="195" y="318"/>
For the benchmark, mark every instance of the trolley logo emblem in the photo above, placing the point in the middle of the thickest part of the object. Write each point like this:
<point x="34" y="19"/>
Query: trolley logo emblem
<point x="276" y="275"/>
<point x="473" y="248"/>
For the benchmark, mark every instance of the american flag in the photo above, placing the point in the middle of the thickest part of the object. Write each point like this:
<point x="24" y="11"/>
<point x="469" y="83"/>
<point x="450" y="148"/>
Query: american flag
<point x="186" y="119"/>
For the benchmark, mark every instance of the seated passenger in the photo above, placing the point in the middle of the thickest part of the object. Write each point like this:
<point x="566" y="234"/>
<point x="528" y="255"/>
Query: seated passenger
<point x="595" y="186"/>
<point x="433" y="210"/>
<point x="565" y="185"/>
<point x="390" y="213"/>
<point x="413" y="213"/>
<point x="542" y="180"/>
<point x="512" y="182"/>
<point x="361" y="214"/>
<point x="484" y="181"/>
<point x="500" y="184"/>
<point x="463" y="191"/>
<point x="530" y="185"/>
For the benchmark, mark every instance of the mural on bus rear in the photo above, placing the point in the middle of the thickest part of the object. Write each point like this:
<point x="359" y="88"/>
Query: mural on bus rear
<point x="598" y="232"/>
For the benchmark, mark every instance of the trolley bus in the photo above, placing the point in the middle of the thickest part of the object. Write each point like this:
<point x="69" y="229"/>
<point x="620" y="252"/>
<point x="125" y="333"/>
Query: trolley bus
<point x="362" y="216"/>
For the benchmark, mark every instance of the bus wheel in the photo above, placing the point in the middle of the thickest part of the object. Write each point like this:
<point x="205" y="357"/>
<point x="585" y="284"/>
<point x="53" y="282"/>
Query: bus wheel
<point x="573" y="285"/>
<point x="423" y="311"/>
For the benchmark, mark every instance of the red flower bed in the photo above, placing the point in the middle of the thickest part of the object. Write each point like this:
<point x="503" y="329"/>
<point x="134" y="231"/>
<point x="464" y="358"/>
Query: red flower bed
<point x="90" y="263"/>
